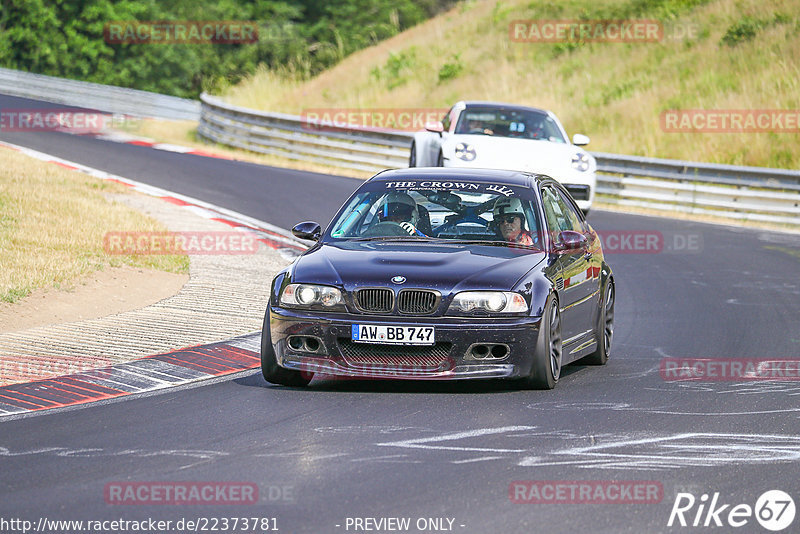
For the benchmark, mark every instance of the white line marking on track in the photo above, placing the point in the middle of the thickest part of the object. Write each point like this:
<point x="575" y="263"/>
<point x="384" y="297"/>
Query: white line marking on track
<point x="481" y="459"/>
<point x="380" y="458"/>
<point x="423" y="443"/>
<point x="693" y="449"/>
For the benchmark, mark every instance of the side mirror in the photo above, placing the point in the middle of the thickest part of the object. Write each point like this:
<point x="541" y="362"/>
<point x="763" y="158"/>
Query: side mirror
<point x="307" y="230"/>
<point x="580" y="140"/>
<point x="435" y="127"/>
<point x="571" y="240"/>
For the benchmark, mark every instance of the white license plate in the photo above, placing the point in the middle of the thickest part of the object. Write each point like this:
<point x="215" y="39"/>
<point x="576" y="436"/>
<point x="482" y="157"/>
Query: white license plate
<point x="401" y="335"/>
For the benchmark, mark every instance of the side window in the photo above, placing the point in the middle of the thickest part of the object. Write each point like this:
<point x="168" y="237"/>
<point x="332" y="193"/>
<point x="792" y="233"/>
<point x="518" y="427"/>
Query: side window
<point x="575" y="222"/>
<point x="556" y="220"/>
<point x="552" y="132"/>
<point x="446" y="120"/>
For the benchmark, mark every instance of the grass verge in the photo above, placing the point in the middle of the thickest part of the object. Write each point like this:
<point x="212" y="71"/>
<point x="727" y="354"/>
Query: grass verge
<point x="52" y="224"/>
<point x="715" y="55"/>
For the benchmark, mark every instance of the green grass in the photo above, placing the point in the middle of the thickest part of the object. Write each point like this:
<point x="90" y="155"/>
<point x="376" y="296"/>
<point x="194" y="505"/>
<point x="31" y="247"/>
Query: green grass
<point x="14" y="294"/>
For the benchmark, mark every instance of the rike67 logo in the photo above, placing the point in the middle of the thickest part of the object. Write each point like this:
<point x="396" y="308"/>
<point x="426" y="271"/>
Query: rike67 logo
<point x="774" y="510"/>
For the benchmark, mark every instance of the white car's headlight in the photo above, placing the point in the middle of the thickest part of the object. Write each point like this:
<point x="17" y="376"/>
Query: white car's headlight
<point x="580" y="161"/>
<point x="465" y="151"/>
<point x="488" y="301"/>
<point x="311" y="295"/>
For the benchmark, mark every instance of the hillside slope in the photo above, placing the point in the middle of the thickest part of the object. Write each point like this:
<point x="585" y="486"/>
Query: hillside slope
<point x="733" y="54"/>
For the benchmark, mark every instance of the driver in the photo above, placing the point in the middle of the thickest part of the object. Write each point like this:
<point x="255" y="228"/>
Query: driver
<point x="477" y="126"/>
<point x="510" y="220"/>
<point x="398" y="207"/>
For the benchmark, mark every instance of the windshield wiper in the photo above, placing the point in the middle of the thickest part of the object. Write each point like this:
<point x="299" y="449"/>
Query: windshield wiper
<point x="392" y="238"/>
<point x="444" y="241"/>
<point x="490" y="243"/>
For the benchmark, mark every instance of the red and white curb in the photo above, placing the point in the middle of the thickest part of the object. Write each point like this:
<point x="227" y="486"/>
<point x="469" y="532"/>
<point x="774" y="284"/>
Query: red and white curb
<point x="152" y="373"/>
<point x="274" y="237"/>
<point x="163" y="370"/>
<point x="124" y="138"/>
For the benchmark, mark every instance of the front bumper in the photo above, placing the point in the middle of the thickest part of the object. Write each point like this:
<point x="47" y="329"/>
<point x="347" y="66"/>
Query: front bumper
<point x="582" y="193"/>
<point x="452" y="358"/>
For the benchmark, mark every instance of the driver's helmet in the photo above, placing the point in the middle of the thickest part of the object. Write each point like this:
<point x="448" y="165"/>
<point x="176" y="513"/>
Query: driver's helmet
<point x="398" y="205"/>
<point x="508" y="206"/>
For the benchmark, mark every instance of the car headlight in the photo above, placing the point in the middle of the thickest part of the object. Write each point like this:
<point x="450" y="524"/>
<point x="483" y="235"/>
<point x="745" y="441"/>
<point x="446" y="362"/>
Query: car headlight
<point x="309" y="295"/>
<point x="488" y="301"/>
<point x="580" y="161"/>
<point x="465" y="151"/>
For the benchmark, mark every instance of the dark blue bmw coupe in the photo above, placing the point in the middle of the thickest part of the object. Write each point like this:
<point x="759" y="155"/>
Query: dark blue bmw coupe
<point x="432" y="273"/>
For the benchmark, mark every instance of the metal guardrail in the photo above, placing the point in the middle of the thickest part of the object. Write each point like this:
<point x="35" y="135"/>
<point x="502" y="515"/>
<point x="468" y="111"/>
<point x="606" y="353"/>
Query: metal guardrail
<point x="292" y="137"/>
<point x="747" y="193"/>
<point x="96" y="96"/>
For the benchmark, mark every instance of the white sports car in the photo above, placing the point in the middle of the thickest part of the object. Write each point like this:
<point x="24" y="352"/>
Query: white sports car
<point x="506" y="136"/>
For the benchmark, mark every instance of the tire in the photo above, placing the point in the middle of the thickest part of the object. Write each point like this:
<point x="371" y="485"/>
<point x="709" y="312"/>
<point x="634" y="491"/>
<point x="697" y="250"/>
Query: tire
<point x="440" y="160"/>
<point x="546" y="369"/>
<point x="605" y="327"/>
<point x="412" y="156"/>
<point x="274" y="373"/>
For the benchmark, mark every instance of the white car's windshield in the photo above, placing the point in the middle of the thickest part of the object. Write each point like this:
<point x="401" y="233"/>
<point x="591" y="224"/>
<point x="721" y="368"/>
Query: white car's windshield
<point x="490" y="213"/>
<point x="499" y="122"/>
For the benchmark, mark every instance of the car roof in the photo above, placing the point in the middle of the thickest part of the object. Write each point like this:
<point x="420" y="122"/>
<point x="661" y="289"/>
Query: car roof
<point x="489" y="176"/>
<point x="503" y="105"/>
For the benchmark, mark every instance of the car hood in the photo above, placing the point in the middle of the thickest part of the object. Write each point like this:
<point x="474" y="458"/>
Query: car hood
<point x="443" y="267"/>
<point x="533" y="155"/>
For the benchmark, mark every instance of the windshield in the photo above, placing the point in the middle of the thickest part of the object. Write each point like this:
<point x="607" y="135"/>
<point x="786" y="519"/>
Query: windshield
<point x="430" y="211"/>
<point x="521" y="123"/>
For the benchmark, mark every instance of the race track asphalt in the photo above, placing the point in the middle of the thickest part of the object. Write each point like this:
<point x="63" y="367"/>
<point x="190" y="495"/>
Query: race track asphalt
<point x="346" y="448"/>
